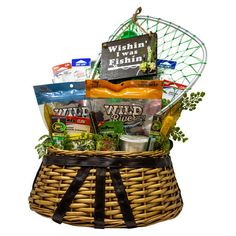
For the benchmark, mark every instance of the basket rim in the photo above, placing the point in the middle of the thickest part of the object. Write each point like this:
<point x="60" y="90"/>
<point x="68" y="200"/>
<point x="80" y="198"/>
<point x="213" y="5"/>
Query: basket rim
<point x="57" y="151"/>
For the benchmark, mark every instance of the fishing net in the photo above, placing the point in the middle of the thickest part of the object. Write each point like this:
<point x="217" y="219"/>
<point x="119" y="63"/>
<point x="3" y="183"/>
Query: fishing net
<point x="174" y="44"/>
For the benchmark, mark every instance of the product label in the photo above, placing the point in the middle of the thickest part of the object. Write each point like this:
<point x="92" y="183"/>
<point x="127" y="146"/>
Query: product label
<point x="58" y="124"/>
<point x="81" y="62"/>
<point x="77" y="124"/>
<point x="167" y="64"/>
<point x="81" y="68"/>
<point x="61" y="67"/>
<point x="79" y="111"/>
<point x="124" y="113"/>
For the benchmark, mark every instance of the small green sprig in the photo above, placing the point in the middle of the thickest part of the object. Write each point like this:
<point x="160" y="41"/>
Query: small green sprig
<point x="162" y="142"/>
<point x="42" y="148"/>
<point x="165" y="102"/>
<point x="190" y="102"/>
<point x="178" y="135"/>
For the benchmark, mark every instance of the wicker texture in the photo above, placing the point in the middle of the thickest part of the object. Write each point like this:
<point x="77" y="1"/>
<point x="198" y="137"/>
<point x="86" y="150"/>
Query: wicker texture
<point x="153" y="193"/>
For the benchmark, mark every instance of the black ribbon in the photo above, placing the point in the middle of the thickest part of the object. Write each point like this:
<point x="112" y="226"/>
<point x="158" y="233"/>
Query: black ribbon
<point x="108" y="162"/>
<point x="67" y="199"/>
<point x="122" y="198"/>
<point x="102" y="164"/>
<point x="99" y="211"/>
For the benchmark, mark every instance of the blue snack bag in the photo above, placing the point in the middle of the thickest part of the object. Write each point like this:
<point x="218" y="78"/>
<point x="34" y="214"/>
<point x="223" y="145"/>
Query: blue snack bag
<point x="64" y="100"/>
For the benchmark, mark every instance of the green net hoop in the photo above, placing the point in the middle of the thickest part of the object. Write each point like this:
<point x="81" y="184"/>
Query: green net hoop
<point x="174" y="43"/>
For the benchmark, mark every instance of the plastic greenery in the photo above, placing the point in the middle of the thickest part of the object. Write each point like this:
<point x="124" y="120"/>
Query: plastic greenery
<point x="165" y="102"/>
<point x="82" y="142"/>
<point x="42" y="148"/>
<point x="178" y="135"/>
<point x="162" y="143"/>
<point x="106" y="142"/>
<point x="188" y="102"/>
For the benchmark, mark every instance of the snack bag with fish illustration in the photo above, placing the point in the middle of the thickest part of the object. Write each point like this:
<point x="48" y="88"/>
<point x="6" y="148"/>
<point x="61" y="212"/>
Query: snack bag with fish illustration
<point x="65" y="101"/>
<point x="133" y="102"/>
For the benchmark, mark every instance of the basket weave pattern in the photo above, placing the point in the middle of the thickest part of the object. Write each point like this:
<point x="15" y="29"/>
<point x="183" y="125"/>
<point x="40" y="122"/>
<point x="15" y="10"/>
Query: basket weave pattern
<point x="153" y="193"/>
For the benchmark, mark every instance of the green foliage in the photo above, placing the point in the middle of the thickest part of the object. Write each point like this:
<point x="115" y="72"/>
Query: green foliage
<point x="165" y="102"/>
<point x="162" y="142"/>
<point x="107" y="142"/>
<point x="178" y="135"/>
<point x="189" y="102"/>
<point x="42" y="148"/>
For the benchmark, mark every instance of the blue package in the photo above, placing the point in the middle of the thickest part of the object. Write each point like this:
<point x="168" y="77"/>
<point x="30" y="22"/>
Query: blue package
<point x="81" y="68"/>
<point x="60" y="92"/>
<point x="64" y="100"/>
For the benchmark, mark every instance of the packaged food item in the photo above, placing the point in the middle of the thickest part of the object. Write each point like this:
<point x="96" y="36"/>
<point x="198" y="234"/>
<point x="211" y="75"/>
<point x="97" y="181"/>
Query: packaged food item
<point x="131" y="89"/>
<point x="64" y="101"/>
<point x="81" y="68"/>
<point x="80" y="142"/>
<point x="62" y="73"/>
<point x="132" y="102"/>
<point x="133" y="143"/>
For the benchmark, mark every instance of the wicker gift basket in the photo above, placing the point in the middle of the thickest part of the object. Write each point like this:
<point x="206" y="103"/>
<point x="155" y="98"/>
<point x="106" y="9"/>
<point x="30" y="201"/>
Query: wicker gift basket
<point x="106" y="189"/>
<point x="116" y="188"/>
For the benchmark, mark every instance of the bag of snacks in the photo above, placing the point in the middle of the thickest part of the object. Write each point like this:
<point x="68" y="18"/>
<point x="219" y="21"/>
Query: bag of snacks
<point x="133" y="102"/>
<point x="63" y="108"/>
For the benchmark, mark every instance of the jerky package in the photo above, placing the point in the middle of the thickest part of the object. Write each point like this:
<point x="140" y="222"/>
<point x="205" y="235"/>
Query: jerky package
<point x="65" y="101"/>
<point x="133" y="102"/>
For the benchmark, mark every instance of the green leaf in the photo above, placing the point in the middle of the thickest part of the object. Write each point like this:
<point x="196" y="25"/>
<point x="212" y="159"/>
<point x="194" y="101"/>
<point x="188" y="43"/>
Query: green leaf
<point x="177" y="134"/>
<point x="203" y="94"/>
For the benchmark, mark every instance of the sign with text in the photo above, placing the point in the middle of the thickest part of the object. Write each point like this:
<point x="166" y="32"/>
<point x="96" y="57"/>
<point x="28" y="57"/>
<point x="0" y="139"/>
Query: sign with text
<point x="130" y="57"/>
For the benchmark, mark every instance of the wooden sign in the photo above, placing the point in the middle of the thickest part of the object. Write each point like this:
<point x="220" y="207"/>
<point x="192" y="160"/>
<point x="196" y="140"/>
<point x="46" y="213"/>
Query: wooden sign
<point x="130" y="57"/>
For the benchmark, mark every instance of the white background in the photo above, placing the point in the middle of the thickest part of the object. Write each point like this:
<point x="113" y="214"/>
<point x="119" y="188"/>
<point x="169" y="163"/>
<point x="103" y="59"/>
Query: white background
<point x="36" y="35"/>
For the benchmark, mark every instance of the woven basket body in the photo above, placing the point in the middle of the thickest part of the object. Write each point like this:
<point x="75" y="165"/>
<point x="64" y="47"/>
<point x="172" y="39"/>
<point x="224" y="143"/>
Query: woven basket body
<point x="111" y="194"/>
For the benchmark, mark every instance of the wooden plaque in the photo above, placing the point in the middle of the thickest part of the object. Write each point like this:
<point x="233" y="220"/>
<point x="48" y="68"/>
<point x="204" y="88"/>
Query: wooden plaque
<point x="122" y="58"/>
